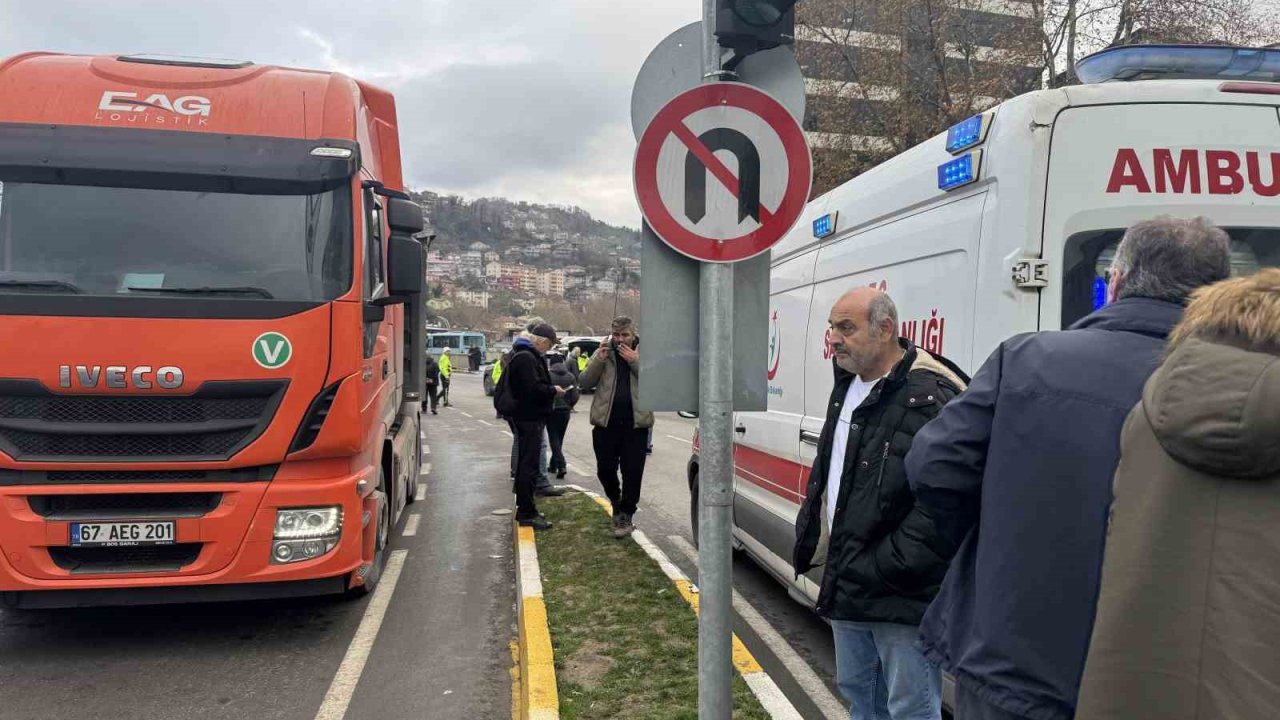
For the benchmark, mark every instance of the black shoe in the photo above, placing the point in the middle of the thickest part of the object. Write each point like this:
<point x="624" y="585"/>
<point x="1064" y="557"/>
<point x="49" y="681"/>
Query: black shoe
<point x="434" y="411"/>
<point x="549" y="491"/>
<point x="622" y="526"/>
<point x="560" y="474"/>
<point x="649" y="450"/>
<point x="537" y="522"/>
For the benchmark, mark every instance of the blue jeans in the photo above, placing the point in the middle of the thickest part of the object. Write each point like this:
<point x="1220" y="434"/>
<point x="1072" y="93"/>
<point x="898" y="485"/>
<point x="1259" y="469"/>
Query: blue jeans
<point x="882" y="674"/>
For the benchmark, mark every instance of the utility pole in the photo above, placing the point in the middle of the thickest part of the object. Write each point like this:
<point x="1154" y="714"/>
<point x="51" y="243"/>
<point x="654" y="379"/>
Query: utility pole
<point x="715" y="476"/>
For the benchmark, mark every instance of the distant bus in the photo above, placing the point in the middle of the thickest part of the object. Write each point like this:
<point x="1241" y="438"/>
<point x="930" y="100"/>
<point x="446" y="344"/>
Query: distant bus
<point x="457" y="342"/>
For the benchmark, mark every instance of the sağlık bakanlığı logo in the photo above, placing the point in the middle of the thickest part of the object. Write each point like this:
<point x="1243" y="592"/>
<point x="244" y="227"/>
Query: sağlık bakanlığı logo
<point x="775" y="353"/>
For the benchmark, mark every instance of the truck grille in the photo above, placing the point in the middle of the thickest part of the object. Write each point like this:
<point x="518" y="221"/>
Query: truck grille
<point x="120" y="506"/>
<point x="128" y="559"/>
<point x="214" y="423"/>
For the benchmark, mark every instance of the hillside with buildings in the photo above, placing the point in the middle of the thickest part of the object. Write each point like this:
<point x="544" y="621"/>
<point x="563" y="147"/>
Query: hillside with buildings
<point x="495" y="262"/>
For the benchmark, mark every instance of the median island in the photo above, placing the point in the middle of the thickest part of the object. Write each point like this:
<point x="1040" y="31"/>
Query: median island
<point x="625" y="641"/>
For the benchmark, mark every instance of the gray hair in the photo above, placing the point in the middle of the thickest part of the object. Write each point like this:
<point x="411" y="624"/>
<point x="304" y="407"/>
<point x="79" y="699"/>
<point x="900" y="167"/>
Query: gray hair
<point x="1167" y="258"/>
<point x="621" y="323"/>
<point x="881" y="308"/>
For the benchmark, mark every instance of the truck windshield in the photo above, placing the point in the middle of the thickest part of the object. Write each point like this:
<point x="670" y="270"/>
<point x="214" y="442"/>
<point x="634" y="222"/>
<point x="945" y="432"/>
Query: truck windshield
<point x="94" y="240"/>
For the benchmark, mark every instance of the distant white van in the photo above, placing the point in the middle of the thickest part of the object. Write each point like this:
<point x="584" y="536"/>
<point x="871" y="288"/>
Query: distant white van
<point x="1003" y="225"/>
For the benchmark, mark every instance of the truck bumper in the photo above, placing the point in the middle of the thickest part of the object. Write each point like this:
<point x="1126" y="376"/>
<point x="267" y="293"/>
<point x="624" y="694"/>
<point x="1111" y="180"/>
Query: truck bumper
<point x="230" y="546"/>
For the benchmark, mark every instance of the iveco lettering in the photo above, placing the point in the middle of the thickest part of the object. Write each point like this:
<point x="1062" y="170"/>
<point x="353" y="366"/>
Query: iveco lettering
<point x="142" y="377"/>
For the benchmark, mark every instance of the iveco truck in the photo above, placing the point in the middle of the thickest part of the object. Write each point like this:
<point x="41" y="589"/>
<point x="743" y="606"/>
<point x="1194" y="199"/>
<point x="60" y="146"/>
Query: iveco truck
<point x="210" y="331"/>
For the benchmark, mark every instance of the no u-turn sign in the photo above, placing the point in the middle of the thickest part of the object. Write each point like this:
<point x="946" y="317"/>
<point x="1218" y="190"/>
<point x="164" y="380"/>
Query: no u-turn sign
<point x="722" y="172"/>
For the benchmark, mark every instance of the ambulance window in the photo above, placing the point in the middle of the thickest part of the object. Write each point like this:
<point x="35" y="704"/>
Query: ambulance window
<point x="1088" y="256"/>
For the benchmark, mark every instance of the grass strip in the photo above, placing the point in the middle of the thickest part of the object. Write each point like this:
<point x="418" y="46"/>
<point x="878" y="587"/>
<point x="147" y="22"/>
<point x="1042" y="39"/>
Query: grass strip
<point x="625" y="642"/>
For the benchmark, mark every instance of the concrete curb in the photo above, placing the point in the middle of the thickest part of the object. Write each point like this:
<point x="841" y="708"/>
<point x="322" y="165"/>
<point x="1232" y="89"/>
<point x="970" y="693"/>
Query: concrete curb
<point x="771" y="697"/>
<point x="539" y="698"/>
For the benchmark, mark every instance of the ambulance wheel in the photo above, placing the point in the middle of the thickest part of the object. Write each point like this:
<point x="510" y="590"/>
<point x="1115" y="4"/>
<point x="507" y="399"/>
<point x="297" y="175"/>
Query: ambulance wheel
<point x="693" y="503"/>
<point x="382" y="538"/>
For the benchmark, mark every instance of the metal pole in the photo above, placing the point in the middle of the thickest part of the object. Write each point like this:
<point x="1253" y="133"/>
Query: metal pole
<point x="715" y="476"/>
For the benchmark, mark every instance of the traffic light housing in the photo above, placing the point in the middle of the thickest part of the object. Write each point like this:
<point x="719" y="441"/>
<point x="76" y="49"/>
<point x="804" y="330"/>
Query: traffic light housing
<point x="747" y="26"/>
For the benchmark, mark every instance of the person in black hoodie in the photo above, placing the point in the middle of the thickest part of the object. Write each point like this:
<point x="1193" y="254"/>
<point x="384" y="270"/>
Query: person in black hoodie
<point x="431" y="369"/>
<point x="558" y="423"/>
<point x="528" y="394"/>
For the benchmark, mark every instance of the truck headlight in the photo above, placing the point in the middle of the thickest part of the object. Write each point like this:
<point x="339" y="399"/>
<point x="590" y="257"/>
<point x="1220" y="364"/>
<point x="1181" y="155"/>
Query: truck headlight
<point x="305" y="533"/>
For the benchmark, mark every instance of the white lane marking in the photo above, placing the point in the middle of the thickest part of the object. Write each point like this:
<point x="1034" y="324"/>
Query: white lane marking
<point x="808" y="680"/>
<point x="344" y="682"/>
<point x="508" y="433"/>
<point x="482" y="422"/>
<point x="411" y="525"/>
<point x="466" y="414"/>
<point x="686" y="442"/>
<point x="426" y="449"/>
<point x="575" y="470"/>
<point x="771" y="696"/>
<point x="424" y="469"/>
<point x="422" y="491"/>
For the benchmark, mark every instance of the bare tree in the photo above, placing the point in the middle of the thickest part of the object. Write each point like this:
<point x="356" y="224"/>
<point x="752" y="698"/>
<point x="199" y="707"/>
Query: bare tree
<point x="884" y="76"/>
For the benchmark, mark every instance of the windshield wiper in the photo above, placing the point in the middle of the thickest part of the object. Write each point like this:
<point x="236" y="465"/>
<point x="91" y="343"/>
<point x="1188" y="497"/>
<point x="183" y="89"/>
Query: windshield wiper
<point x="42" y="284"/>
<point x="239" y="290"/>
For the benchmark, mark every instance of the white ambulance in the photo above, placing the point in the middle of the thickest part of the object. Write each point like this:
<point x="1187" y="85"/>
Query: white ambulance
<point x="1004" y="224"/>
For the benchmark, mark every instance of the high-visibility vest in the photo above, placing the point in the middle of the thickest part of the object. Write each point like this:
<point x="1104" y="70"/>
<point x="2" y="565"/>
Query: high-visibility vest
<point x="582" y="362"/>
<point x="446" y="366"/>
<point x="497" y="372"/>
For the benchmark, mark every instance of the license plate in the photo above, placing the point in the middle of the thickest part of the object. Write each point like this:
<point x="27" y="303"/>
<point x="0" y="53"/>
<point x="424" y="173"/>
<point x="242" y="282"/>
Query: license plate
<point x="107" y="534"/>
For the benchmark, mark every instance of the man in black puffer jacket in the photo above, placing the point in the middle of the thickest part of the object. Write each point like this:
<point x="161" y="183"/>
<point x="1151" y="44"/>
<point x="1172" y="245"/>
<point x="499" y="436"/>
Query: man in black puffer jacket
<point x="526" y="394"/>
<point x="884" y="556"/>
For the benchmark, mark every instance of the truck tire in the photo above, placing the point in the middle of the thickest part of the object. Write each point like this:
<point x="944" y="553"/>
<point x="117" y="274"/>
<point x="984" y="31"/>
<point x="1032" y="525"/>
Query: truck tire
<point x="415" y="469"/>
<point x="382" y="537"/>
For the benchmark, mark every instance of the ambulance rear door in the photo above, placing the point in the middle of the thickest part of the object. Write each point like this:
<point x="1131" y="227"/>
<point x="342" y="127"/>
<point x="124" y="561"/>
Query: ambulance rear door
<point x="1111" y="166"/>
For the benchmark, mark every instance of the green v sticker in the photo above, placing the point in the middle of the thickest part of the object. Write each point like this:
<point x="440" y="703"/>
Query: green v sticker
<point x="272" y="350"/>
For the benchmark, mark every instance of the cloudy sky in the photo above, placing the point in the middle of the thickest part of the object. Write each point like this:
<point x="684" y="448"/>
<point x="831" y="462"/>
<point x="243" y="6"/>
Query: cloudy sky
<point x="528" y="99"/>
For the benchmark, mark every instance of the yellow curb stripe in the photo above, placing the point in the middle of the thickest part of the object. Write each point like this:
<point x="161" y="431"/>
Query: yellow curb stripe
<point x="742" y="657"/>
<point x="539" y="698"/>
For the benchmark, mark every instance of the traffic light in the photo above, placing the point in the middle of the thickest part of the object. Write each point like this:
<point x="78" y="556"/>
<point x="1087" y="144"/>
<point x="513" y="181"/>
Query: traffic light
<point x="747" y="26"/>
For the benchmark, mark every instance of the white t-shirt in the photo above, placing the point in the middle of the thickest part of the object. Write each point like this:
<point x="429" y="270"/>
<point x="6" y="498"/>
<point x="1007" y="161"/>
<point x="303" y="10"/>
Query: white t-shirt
<point x="858" y="391"/>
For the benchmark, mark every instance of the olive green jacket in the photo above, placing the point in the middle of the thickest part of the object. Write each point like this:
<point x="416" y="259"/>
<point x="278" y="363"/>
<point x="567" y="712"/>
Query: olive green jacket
<point x="601" y="376"/>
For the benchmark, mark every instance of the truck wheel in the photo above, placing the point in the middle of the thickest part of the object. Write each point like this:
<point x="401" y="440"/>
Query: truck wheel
<point x="381" y="539"/>
<point x="415" y="469"/>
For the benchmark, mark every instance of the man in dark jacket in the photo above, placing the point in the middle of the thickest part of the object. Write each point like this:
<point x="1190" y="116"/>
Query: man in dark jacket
<point x="529" y="384"/>
<point x="884" y="557"/>
<point x="1025" y="459"/>
<point x="431" y="370"/>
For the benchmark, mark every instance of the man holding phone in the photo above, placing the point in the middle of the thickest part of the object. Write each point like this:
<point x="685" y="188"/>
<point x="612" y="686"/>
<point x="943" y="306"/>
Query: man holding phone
<point x="620" y="429"/>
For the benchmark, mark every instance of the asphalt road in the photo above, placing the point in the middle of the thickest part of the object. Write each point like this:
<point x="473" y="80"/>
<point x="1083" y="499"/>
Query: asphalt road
<point x="442" y="649"/>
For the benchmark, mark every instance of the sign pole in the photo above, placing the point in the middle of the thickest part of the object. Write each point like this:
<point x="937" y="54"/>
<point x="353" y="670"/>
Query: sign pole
<point x="715" y="477"/>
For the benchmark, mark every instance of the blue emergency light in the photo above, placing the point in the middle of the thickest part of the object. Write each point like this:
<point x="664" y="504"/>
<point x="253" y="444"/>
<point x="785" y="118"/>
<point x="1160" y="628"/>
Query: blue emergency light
<point x="1181" y="62"/>
<point x="960" y="171"/>
<point x="1099" y="292"/>
<point x="825" y="226"/>
<point x="968" y="133"/>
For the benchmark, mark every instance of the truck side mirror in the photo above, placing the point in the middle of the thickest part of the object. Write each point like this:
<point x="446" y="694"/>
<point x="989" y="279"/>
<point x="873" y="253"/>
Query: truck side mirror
<point x="404" y="216"/>
<point x="405" y="266"/>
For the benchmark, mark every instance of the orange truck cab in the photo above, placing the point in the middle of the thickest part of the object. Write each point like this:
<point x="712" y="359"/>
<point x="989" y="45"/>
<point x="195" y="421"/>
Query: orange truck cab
<point x="211" y="331"/>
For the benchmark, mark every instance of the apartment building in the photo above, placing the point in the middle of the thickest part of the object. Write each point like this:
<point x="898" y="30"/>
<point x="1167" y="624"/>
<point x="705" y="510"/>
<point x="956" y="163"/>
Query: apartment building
<point x="882" y="77"/>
